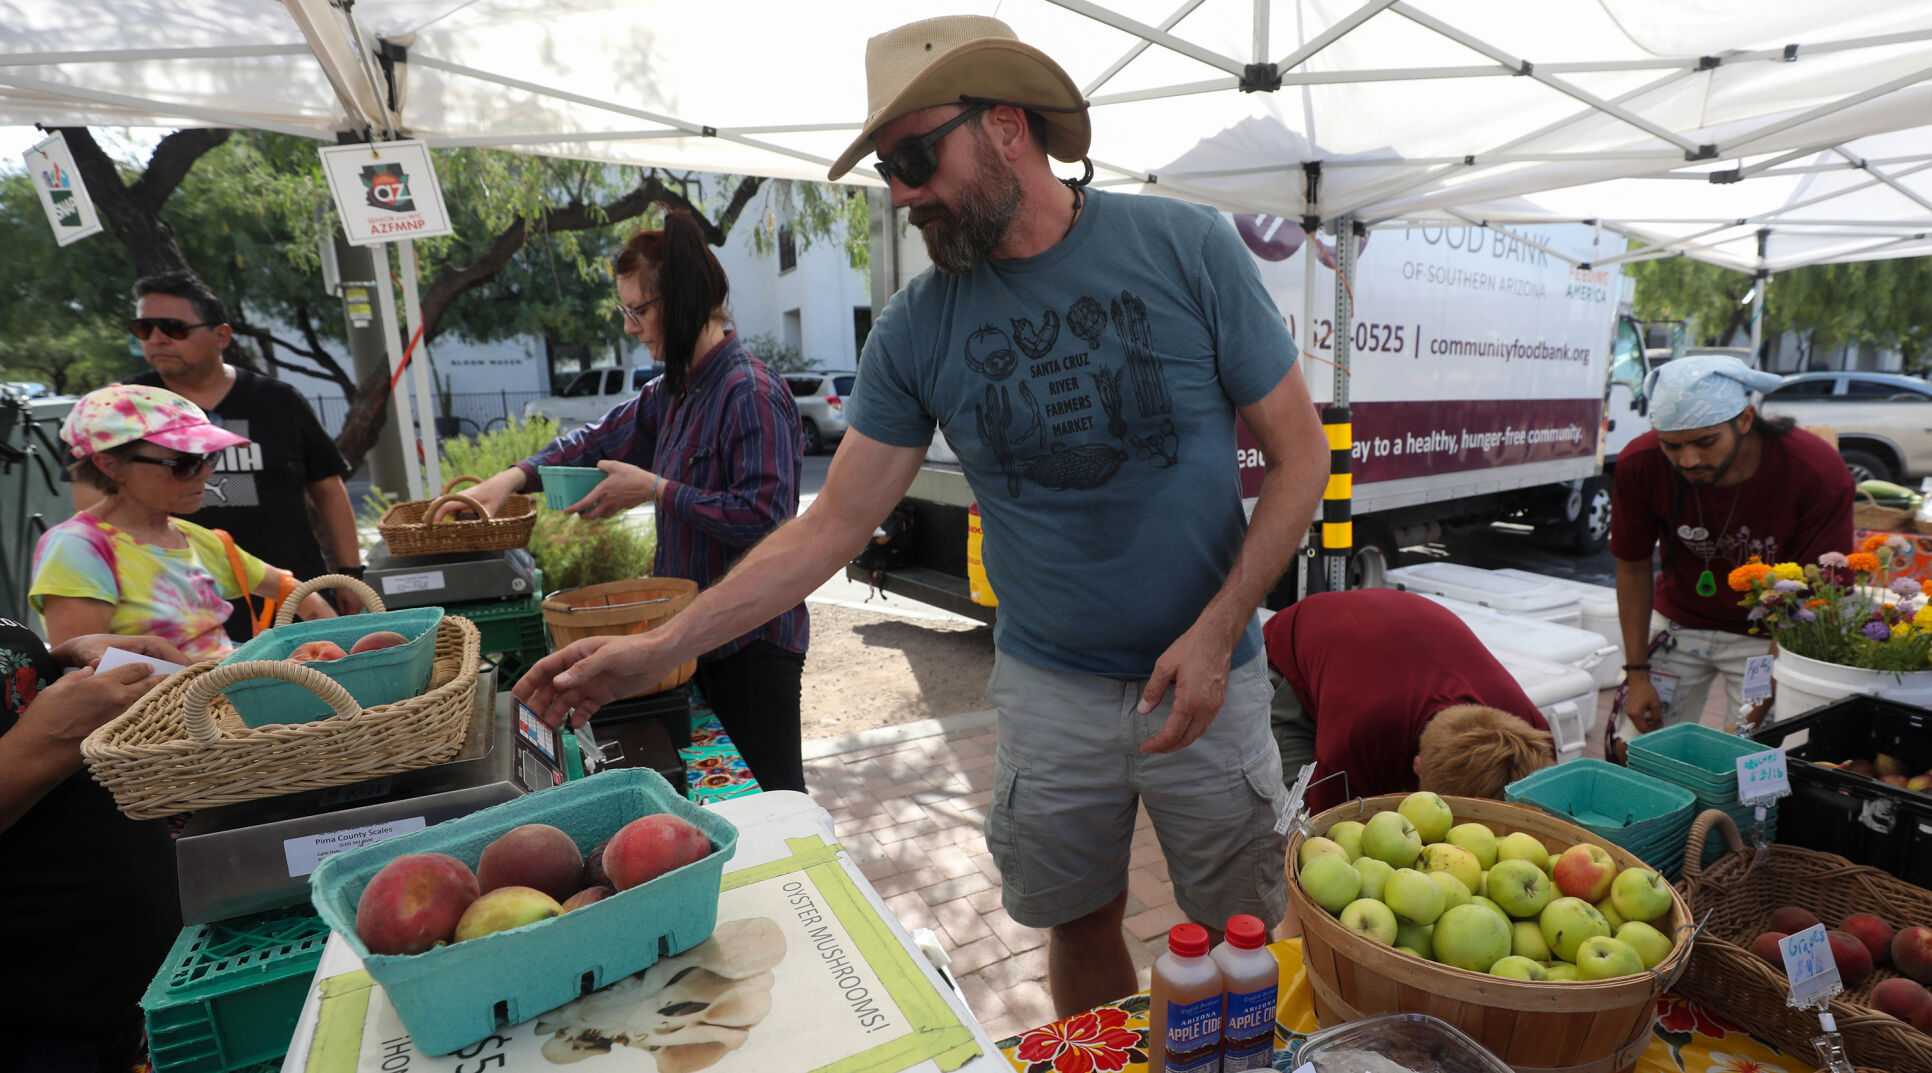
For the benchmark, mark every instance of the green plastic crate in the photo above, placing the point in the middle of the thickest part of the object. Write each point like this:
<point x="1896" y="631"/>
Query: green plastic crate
<point x="507" y="625"/>
<point x="228" y="995"/>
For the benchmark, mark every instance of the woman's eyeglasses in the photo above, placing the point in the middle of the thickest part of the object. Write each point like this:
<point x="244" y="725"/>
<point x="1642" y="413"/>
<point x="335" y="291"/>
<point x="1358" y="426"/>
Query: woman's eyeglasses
<point x="184" y="467"/>
<point x="172" y="327"/>
<point x="635" y="314"/>
<point x="913" y="161"/>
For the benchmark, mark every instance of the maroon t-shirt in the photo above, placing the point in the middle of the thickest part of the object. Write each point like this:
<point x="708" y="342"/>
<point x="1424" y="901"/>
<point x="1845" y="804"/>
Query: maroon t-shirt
<point x="1371" y="667"/>
<point x="1796" y="507"/>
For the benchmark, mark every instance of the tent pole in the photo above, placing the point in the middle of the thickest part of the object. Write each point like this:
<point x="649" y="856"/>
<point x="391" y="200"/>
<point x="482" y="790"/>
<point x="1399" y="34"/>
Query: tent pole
<point x="1338" y="528"/>
<point x="1763" y="280"/>
<point x="425" y="390"/>
<point x="399" y="392"/>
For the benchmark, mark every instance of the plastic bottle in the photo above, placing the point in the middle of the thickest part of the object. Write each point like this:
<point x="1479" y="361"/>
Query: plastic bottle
<point x="1251" y="976"/>
<point x="1185" y="1014"/>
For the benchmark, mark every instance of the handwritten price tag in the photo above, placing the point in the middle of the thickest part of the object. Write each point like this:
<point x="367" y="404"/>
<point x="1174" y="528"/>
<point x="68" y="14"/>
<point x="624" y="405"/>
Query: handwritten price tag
<point x="1761" y="777"/>
<point x="1757" y="679"/>
<point x="1808" y="963"/>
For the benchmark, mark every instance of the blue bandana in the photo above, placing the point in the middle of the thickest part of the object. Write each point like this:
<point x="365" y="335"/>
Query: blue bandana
<point x="1702" y="391"/>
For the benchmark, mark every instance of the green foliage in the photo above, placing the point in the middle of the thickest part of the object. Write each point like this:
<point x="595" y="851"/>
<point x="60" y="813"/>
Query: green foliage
<point x="60" y="309"/>
<point x="814" y="211"/>
<point x="781" y="357"/>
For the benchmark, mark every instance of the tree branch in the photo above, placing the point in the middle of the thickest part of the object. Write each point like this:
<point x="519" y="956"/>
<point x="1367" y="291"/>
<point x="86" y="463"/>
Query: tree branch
<point x="149" y="241"/>
<point x="174" y="156"/>
<point x="326" y="367"/>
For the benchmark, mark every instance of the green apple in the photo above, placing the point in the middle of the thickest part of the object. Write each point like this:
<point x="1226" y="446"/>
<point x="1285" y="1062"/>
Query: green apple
<point x="1549" y="865"/>
<point x="1478" y="839"/>
<point x="1458" y="862"/>
<point x="1414" y="896"/>
<point x="1370" y="919"/>
<point x="1640" y="894"/>
<point x="1420" y="938"/>
<point x="1391" y="839"/>
<point x="1651" y="945"/>
<point x="1559" y="970"/>
<point x="1489" y="905"/>
<point x="1517" y="967"/>
<point x="1610" y="915"/>
<point x="1412" y="952"/>
<point x="1526" y="938"/>
<point x="1482" y="885"/>
<point x="1584" y="871"/>
<point x="1520" y="887"/>
<point x="1471" y="937"/>
<point x="1567" y="922"/>
<point x="1331" y="881"/>
<point x="1348" y="835"/>
<point x="1315" y="847"/>
<point x="1374" y="874"/>
<point x="1453" y="892"/>
<point x="1429" y="813"/>
<point x="1601" y="957"/>
<point x="1521" y="846"/>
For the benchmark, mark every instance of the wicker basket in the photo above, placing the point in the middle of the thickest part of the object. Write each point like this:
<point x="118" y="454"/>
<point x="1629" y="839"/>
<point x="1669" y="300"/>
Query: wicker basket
<point x="371" y="600"/>
<point x="1867" y="514"/>
<point x="1600" y="1026"/>
<point x="1742" y="894"/>
<point x="412" y="529"/>
<point x="619" y="609"/>
<point x="182" y="746"/>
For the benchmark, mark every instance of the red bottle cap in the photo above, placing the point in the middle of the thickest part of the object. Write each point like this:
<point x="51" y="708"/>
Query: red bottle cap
<point x="1187" y="941"/>
<point x="1247" y="932"/>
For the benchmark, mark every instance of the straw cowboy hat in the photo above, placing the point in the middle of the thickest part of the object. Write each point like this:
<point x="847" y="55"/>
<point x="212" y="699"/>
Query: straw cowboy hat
<point x="938" y="61"/>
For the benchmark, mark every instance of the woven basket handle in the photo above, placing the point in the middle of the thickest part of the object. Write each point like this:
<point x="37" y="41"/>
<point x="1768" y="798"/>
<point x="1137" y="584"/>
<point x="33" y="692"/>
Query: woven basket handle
<point x="286" y="613"/>
<point x="451" y="484"/>
<point x="1700" y="830"/>
<point x="194" y="705"/>
<point x="429" y="513"/>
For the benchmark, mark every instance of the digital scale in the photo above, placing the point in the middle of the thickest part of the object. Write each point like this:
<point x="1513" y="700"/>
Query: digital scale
<point x="441" y="580"/>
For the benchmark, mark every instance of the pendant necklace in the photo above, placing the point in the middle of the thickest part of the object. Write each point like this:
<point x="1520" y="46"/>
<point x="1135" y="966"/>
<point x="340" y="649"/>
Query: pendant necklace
<point x="1706" y="581"/>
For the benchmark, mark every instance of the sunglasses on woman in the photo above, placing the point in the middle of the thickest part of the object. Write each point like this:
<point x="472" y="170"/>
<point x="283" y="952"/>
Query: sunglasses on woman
<point x="172" y="327"/>
<point x="184" y="467"/>
<point x="913" y="161"/>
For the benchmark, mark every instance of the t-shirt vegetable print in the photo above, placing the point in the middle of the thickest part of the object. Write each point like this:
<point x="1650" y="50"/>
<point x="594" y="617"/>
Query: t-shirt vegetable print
<point x="179" y="595"/>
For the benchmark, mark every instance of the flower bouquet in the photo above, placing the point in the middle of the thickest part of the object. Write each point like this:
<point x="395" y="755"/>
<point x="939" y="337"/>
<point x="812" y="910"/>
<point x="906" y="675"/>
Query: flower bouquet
<point x="1842" y="609"/>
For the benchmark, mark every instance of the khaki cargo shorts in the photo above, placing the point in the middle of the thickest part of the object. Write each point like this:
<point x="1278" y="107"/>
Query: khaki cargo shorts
<point x="1069" y="772"/>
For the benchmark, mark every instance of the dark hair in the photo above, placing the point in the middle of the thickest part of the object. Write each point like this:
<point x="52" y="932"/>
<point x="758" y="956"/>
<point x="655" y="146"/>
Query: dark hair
<point x="690" y="282"/>
<point x="86" y="471"/>
<point x="184" y="284"/>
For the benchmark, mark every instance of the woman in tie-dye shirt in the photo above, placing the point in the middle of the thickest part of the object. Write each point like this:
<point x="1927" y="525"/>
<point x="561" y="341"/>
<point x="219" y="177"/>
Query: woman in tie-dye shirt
<point x="126" y="565"/>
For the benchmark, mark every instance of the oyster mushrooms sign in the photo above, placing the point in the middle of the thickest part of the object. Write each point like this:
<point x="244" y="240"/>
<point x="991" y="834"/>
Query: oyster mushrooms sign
<point x="385" y="191"/>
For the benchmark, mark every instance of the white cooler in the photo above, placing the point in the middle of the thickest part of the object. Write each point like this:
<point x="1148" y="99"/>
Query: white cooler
<point x="1537" y="639"/>
<point x="1567" y="697"/>
<point x="1521" y="594"/>
<point x="1598" y="603"/>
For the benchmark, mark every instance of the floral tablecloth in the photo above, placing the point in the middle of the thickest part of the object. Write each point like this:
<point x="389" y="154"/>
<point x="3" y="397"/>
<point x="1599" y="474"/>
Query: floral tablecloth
<point x="1113" y="1038"/>
<point x="713" y="770"/>
<point x="1915" y="561"/>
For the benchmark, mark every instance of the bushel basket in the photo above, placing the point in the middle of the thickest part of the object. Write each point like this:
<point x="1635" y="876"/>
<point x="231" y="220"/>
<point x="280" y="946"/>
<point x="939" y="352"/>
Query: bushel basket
<point x="412" y="529"/>
<point x="1868" y="514"/>
<point x="1741" y="893"/>
<point x="182" y="746"/>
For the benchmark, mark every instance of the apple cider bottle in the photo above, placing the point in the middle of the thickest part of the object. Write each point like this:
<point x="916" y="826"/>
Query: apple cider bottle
<point x="1185" y="1012"/>
<point x="1250" y="975"/>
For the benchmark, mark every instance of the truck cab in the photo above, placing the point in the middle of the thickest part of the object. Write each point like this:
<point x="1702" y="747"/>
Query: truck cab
<point x="589" y="395"/>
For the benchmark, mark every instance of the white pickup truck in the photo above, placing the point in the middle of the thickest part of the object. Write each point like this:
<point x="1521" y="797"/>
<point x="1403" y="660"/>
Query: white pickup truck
<point x="590" y="394"/>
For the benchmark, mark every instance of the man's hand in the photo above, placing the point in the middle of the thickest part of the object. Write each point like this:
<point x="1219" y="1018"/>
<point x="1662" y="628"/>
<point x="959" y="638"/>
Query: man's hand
<point x="87" y="649"/>
<point x="575" y="681"/>
<point x="81" y="703"/>
<point x="490" y="495"/>
<point x="1197" y="668"/>
<point x="1640" y="703"/>
<point x="624" y="486"/>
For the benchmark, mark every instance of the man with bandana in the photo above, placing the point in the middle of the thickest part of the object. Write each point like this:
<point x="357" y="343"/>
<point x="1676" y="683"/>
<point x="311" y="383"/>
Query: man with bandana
<point x="1086" y="354"/>
<point x="1715" y="485"/>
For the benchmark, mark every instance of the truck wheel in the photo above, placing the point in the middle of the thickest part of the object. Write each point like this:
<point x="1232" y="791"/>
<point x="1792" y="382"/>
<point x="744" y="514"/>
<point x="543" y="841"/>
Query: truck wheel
<point x="1589" y="532"/>
<point x="809" y="437"/>
<point x="1865" y="466"/>
<point x="1374" y="556"/>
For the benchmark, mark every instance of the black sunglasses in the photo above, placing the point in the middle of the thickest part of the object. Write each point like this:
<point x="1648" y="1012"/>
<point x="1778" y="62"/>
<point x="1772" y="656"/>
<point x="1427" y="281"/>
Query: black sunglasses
<point x="912" y="161"/>
<point x="184" y="467"/>
<point x="172" y="327"/>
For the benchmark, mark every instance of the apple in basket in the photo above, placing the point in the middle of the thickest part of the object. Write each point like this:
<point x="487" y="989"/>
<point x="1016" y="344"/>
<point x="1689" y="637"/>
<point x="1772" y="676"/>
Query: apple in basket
<point x="316" y="652"/>
<point x="370" y="642"/>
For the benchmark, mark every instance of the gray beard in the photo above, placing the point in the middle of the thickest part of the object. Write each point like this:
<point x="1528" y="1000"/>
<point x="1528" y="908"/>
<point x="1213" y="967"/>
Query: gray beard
<point x="959" y="243"/>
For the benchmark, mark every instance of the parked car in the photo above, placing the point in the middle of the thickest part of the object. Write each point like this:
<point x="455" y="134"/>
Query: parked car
<point x="1883" y="420"/>
<point x="820" y="396"/>
<point x="590" y="394"/>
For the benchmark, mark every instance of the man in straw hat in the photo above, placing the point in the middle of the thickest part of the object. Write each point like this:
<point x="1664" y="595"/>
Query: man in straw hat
<point x="1715" y="484"/>
<point x="1086" y="355"/>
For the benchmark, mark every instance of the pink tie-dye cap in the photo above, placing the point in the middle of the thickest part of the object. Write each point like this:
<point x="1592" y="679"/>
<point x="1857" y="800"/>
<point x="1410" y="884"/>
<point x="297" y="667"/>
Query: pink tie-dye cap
<point x="124" y="413"/>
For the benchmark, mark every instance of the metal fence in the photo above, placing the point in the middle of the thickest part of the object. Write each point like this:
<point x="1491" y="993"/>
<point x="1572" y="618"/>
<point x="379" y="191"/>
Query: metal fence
<point x="469" y="413"/>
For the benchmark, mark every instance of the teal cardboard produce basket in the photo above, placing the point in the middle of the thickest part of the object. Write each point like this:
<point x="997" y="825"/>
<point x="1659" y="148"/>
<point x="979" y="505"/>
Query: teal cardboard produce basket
<point x="384" y="676"/>
<point x="564" y="485"/>
<point x="452" y="996"/>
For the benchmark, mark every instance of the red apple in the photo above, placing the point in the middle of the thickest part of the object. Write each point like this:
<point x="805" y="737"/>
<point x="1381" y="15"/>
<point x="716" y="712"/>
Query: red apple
<point x="1854" y="961"/>
<point x="1584" y="871"/>
<point x="1912" y="953"/>
<point x="1766" y="947"/>
<point x="1791" y="920"/>
<point x="316" y="652"/>
<point x="1872" y="930"/>
<point x="369" y="642"/>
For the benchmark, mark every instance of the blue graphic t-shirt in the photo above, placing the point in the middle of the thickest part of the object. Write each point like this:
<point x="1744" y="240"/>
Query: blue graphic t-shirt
<point x="1090" y="394"/>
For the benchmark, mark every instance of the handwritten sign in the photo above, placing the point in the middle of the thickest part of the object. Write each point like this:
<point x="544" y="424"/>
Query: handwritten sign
<point x="1762" y="777"/>
<point x="1757" y="679"/>
<point x="1809" y="965"/>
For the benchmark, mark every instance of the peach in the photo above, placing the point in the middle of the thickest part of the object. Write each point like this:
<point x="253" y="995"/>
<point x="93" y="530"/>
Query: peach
<point x="414" y="903"/>
<point x="1854" y="961"/>
<point x="533" y="855"/>
<point x="1872" y="930"/>
<point x="1888" y="765"/>
<point x="505" y="908"/>
<point x="316" y="652"/>
<point x="585" y="897"/>
<point x="1766" y="947"/>
<point x="650" y="846"/>
<point x="369" y="642"/>
<point x="1920" y="784"/>
<point x="594" y="874"/>
<point x="1789" y="919"/>
<point x="1899" y="781"/>
<point x="1861" y="767"/>
<point x="1908" y="1001"/>
<point x="1912" y="953"/>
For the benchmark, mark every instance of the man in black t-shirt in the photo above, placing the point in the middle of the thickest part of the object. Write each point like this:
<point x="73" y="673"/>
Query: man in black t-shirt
<point x="256" y="492"/>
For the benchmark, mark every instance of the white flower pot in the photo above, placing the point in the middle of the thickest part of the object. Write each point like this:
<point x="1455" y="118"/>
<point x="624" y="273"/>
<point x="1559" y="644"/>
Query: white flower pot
<point x="1805" y="683"/>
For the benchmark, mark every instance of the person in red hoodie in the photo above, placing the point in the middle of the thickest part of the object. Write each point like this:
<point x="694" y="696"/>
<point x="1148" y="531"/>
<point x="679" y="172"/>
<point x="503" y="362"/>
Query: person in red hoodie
<point x="1388" y="692"/>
